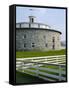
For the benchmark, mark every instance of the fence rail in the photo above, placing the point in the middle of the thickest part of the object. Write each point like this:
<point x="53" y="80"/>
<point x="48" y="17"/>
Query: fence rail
<point x="51" y="68"/>
<point x="59" y="59"/>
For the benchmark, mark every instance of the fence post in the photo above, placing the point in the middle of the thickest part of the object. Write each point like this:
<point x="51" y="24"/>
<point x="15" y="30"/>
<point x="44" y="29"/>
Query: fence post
<point x="20" y="67"/>
<point x="23" y="66"/>
<point x="60" y="73"/>
<point x="46" y="60"/>
<point x="32" y="60"/>
<point x="37" y="69"/>
<point x="56" y="61"/>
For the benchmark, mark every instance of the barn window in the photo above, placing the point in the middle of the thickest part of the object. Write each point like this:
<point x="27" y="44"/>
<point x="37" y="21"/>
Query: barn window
<point x="53" y="47"/>
<point x="33" y="44"/>
<point x="53" y="39"/>
<point x="24" y="36"/>
<point x="25" y="45"/>
<point x="46" y="45"/>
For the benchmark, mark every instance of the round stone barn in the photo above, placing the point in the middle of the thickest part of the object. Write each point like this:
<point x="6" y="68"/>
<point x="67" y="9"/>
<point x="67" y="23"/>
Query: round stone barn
<point x="36" y="36"/>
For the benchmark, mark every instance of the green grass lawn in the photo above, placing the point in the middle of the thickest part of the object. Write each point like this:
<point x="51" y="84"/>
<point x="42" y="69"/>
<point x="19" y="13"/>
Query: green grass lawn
<point x="26" y="78"/>
<point x="25" y="54"/>
<point x="53" y="67"/>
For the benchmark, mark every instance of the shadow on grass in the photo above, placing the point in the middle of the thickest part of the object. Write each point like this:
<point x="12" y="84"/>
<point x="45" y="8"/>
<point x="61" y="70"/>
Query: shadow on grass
<point x="26" y="78"/>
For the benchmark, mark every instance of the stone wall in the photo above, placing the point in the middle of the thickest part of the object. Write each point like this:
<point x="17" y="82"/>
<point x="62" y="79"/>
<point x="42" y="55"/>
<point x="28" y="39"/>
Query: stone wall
<point x="37" y="40"/>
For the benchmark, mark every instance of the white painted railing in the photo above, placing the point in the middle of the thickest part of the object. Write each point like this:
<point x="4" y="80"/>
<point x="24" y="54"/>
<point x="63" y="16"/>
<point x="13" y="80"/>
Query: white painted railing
<point x="45" y="70"/>
<point x="58" y="59"/>
<point x="32" y="25"/>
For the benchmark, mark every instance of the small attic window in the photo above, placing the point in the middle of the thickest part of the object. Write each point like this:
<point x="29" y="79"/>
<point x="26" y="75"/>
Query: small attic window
<point x="32" y="20"/>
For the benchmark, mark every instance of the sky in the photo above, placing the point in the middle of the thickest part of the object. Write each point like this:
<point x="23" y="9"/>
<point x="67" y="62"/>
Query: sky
<point x="56" y="18"/>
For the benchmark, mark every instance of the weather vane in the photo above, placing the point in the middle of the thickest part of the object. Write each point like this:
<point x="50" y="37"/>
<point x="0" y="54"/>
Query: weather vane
<point x="31" y="11"/>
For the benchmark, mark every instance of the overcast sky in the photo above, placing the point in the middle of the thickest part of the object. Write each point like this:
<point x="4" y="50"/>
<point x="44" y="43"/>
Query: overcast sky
<point x="56" y="18"/>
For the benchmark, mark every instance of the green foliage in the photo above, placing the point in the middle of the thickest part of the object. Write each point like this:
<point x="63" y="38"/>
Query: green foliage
<point x="25" y="54"/>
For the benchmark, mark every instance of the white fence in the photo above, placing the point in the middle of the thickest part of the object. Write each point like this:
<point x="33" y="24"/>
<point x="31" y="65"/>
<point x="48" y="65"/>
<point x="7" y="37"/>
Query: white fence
<point x="51" y="68"/>
<point x="59" y="59"/>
